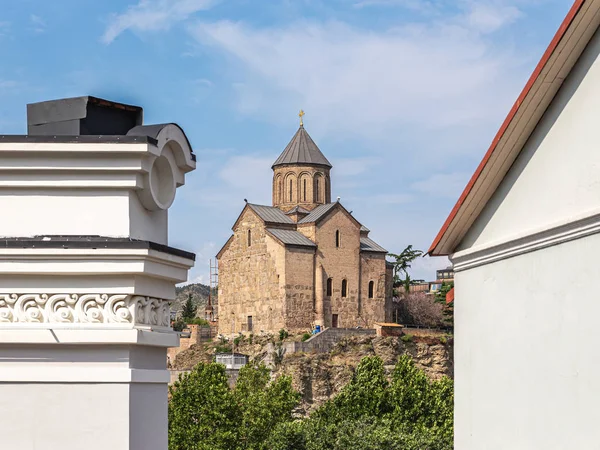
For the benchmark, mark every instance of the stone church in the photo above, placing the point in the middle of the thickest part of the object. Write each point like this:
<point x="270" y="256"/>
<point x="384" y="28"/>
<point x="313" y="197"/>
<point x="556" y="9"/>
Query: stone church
<point x="304" y="261"/>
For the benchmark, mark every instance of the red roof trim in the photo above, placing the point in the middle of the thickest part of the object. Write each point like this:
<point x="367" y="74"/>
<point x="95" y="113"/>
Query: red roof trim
<point x="553" y="44"/>
<point x="450" y="296"/>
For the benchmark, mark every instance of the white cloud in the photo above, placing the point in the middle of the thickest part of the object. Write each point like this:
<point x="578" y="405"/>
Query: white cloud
<point x="153" y="15"/>
<point x="410" y="81"/>
<point x="487" y="18"/>
<point x="38" y="24"/>
<point x="448" y="185"/>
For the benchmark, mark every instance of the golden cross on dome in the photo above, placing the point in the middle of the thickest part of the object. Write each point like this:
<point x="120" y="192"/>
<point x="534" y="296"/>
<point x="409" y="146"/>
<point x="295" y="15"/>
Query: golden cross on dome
<point x="300" y="115"/>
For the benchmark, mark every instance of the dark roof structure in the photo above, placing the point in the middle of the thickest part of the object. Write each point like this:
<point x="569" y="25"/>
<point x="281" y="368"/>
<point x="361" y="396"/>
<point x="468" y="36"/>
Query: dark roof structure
<point x="318" y="213"/>
<point x="369" y="245"/>
<point x="298" y="209"/>
<point x="270" y="214"/>
<point x="302" y="150"/>
<point x="291" y="237"/>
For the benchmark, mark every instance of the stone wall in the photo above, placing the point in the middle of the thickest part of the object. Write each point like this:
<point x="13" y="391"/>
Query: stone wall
<point x="340" y="263"/>
<point x="303" y="179"/>
<point x="373" y="268"/>
<point x="249" y="279"/>
<point x="184" y="343"/>
<point x="299" y="293"/>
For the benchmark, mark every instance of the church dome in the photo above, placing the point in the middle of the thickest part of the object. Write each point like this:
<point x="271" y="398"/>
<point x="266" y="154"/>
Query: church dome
<point x="302" y="150"/>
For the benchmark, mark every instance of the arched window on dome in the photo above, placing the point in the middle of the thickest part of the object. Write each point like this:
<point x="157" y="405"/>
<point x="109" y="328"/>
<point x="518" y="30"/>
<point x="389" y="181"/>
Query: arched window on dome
<point x="291" y="190"/>
<point x="304" y="190"/>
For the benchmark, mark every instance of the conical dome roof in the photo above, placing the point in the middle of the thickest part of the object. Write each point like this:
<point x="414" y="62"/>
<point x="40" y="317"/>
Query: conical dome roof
<point x="302" y="150"/>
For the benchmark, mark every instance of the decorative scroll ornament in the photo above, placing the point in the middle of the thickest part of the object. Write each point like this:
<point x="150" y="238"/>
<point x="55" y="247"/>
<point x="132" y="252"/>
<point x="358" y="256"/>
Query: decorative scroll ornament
<point x="84" y="309"/>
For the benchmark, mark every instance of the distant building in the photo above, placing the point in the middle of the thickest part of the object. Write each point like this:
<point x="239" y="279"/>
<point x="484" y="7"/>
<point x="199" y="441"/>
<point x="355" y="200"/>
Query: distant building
<point x="303" y="261"/>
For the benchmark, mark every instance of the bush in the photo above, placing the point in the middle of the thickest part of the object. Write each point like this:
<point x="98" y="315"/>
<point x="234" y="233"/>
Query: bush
<point x="407" y="337"/>
<point x="250" y="338"/>
<point x="223" y="348"/>
<point x="179" y="325"/>
<point x="199" y="321"/>
<point x="205" y="413"/>
<point x="421" y="309"/>
<point x="283" y="334"/>
<point x="237" y="340"/>
<point x="305" y="337"/>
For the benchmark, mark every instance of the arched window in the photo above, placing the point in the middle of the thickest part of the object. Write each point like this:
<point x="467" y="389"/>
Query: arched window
<point x="344" y="288"/>
<point x="371" y="288"/>
<point x="317" y="197"/>
<point x="291" y="190"/>
<point x="249" y="238"/>
<point x="329" y="287"/>
<point x="280" y="197"/>
<point x="337" y="238"/>
<point x="304" y="190"/>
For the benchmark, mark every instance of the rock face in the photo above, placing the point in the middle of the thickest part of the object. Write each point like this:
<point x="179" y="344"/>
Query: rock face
<point x="318" y="377"/>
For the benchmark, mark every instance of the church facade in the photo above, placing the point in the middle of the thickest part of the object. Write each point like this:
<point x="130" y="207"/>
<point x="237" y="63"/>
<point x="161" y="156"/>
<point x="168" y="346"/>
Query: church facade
<point x="303" y="261"/>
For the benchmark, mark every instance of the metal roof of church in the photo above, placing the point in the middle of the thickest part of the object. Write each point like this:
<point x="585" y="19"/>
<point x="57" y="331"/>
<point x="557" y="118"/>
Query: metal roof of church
<point x="302" y="150"/>
<point x="270" y="214"/>
<point x="369" y="245"/>
<point x="298" y="209"/>
<point x="317" y="213"/>
<point x="291" y="237"/>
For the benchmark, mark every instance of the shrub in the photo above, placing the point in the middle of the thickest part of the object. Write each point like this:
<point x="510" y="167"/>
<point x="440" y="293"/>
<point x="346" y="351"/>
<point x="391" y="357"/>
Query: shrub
<point x="250" y="338"/>
<point x="237" y="340"/>
<point x="407" y="337"/>
<point x="419" y="308"/>
<point x="305" y="337"/>
<point x="283" y="334"/>
<point x="223" y="348"/>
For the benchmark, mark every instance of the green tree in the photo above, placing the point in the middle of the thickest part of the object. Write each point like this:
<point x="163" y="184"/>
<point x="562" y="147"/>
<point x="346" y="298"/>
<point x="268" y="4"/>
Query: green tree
<point x="403" y="261"/>
<point x="189" y="310"/>
<point x="203" y="413"/>
<point x="440" y="297"/>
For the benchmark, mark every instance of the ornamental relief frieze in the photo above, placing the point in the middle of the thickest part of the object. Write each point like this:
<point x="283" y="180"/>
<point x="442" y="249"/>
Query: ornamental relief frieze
<point x="84" y="309"/>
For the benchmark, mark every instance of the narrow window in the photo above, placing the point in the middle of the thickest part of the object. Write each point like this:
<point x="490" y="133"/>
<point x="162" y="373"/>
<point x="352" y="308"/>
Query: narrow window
<point x="334" y="321"/>
<point x="317" y="197"/>
<point x="337" y="238"/>
<point x="290" y="190"/>
<point x="281" y="191"/>
<point x="249" y="323"/>
<point x="344" y="288"/>
<point x="329" y="286"/>
<point x="249" y="238"/>
<point x="371" y="287"/>
<point x="304" y="188"/>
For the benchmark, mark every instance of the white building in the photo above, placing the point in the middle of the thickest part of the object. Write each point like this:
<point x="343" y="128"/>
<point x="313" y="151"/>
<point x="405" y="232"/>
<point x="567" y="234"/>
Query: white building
<point x="86" y="275"/>
<point x="524" y="239"/>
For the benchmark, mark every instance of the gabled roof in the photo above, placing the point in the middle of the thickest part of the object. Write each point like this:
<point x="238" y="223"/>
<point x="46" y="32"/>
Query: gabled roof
<point x="291" y="237"/>
<point x="369" y="245"/>
<point x="302" y="150"/>
<point x="298" y="209"/>
<point x="318" y="213"/>
<point x="270" y="214"/>
<point x="560" y="57"/>
<point x="224" y="247"/>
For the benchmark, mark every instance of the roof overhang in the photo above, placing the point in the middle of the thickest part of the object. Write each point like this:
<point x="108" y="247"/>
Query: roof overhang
<point x="559" y="58"/>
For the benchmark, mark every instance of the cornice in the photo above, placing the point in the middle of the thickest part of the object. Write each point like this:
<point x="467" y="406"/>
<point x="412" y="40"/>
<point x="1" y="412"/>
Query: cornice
<point x="556" y="234"/>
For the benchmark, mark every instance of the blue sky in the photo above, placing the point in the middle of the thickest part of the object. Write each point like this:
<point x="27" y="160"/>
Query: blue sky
<point x="402" y="96"/>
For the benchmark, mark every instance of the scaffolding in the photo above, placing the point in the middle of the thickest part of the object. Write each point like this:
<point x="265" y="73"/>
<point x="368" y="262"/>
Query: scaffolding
<point x="211" y="313"/>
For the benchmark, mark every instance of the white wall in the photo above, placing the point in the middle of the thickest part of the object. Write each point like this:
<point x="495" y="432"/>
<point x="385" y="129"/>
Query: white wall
<point x="527" y="339"/>
<point x="557" y="174"/>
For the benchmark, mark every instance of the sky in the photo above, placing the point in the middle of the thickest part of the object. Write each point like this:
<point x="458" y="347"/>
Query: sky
<point x="402" y="96"/>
